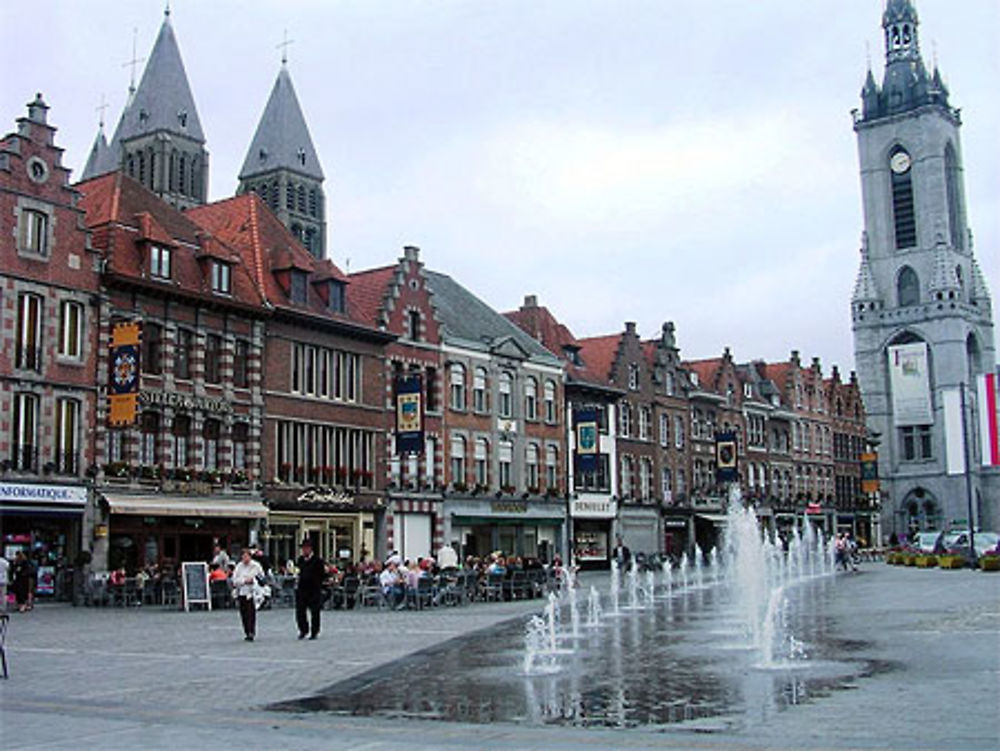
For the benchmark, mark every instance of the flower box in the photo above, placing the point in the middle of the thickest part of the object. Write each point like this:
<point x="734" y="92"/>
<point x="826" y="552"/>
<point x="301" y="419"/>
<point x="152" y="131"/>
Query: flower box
<point x="951" y="561"/>
<point x="989" y="562"/>
<point x="909" y="559"/>
<point x="926" y="561"/>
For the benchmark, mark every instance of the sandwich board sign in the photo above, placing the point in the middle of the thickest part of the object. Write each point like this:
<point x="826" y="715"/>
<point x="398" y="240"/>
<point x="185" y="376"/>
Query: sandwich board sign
<point x="194" y="585"/>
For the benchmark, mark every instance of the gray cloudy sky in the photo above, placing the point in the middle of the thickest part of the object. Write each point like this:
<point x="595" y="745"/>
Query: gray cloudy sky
<point x="626" y="160"/>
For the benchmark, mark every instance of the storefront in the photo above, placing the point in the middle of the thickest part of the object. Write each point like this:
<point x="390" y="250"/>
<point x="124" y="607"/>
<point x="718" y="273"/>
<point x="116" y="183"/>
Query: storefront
<point x="43" y="522"/>
<point x="593" y="525"/>
<point x="639" y="527"/>
<point x="166" y="531"/>
<point x="341" y="526"/>
<point x="530" y="529"/>
<point x="678" y="531"/>
<point x="710" y="530"/>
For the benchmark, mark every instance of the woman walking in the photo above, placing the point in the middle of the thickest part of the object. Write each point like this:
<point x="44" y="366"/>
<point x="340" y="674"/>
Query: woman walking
<point x="246" y="579"/>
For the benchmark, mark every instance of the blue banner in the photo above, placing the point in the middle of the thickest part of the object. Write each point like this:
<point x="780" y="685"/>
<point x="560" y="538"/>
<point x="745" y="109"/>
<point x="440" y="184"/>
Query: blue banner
<point x="409" y="415"/>
<point x="587" y="439"/>
<point x="726" y="468"/>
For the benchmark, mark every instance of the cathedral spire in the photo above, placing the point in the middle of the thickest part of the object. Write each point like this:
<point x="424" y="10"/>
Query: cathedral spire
<point x="282" y="166"/>
<point x="282" y="139"/>
<point x="163" y="99"/>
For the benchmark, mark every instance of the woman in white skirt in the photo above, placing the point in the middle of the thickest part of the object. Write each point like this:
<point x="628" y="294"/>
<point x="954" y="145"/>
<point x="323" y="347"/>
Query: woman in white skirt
<point x="247" y="578"/>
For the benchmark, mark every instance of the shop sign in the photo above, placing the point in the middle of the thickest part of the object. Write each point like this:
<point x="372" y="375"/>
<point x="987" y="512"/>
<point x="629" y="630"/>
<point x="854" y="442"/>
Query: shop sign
<point x="25" y="493"/>
<point x="675" y="523"/>
<point x="593" y="508"/>
<point x="508" y="507"/>
<point x="185" y="401"/>
<point x="335" y="497"/>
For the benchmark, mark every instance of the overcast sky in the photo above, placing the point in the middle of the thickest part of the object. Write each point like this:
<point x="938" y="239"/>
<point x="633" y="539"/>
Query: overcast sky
<point x="625" y="161"/>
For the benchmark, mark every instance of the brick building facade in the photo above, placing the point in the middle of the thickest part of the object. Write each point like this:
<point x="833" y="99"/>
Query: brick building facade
<point x="48" y="348"/>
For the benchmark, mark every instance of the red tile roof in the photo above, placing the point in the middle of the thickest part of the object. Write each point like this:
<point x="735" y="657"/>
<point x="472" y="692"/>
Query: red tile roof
<point x="118" y="206"/>
<point x="368" y="291"/>
<point x="778" y="373"/>
<point x="598" y="354"/>
<point x="267" y="246"/>
<point x="707" y="370"/>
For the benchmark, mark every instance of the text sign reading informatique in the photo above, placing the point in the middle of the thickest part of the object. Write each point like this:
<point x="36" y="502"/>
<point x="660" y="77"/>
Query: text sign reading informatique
<point x="194" y="585"/>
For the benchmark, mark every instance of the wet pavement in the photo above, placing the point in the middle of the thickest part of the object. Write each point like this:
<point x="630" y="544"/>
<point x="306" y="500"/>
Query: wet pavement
<point x="914" y="660"/>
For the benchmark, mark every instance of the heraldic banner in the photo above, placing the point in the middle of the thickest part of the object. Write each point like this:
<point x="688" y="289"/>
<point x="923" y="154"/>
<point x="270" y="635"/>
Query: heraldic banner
<point x="123" y="389"/>
<point x="409" y="415"/>
<point x="725" y="457"/>
<point x="585" y="422"/>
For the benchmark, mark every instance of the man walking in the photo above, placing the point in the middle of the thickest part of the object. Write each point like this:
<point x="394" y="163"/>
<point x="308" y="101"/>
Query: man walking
<point x="309" y="594"/>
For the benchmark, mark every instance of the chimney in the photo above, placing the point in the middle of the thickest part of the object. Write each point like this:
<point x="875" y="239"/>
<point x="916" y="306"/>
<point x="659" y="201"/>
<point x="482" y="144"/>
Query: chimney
<point x="815" y="364"/>
<point x="835" y="374"/>
<point x="795" y="356"/>
<point x="411" y="253"/>
<point x="530" y="301"/>
<point x="630" y="327"/>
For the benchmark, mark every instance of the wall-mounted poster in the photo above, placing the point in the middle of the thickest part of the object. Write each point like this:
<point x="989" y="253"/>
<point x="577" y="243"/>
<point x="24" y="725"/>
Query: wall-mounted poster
<point x="910" y="384"/>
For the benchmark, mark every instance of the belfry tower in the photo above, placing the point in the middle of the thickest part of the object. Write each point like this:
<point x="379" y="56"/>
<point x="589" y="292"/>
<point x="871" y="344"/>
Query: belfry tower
<point x="921" y="309"/>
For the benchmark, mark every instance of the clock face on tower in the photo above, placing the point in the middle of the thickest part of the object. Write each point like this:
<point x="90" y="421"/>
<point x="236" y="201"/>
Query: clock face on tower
<point x="900" y="162"/>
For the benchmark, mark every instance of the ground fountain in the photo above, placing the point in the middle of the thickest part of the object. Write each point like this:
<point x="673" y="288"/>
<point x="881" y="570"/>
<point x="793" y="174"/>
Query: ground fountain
<point x="734" y="647"/>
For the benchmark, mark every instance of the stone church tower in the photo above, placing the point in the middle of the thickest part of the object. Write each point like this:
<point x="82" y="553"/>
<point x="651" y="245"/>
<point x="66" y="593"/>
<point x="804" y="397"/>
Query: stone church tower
<point x="159" y="140"/>
<point x="921" y="310"/>
<point x="282" y="167"/>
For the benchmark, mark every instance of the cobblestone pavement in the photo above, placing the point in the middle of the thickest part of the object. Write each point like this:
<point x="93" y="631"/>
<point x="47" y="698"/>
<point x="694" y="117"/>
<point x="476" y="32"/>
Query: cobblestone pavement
<point x="151" y="678"/>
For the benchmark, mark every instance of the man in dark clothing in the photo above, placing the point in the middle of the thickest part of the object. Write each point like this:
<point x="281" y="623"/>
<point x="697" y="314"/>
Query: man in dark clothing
<point x="309" y="594"/>
<point x="622" y="555"/>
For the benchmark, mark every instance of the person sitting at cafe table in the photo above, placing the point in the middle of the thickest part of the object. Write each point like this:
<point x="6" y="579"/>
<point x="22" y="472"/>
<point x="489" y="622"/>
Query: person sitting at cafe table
<point x="217" y="573"/>
<point x="391" y="582"/>
<point x="117" y="578"/>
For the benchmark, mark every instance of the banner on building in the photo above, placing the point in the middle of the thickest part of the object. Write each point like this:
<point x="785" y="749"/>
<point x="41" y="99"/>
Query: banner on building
<point x="409" y="415"/>
<point x="989" y="434"/>
<point x="869" y="473"/>
<point x="725" y="457"/>
<point x="911" y="392"/>
<point x="123" y="387"/>
<point x="954" y="431"/>
<point x="587" y="440"/>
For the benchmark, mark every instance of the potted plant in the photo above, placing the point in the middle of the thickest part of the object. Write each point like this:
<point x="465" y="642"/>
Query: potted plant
<point x="990" y="561"/>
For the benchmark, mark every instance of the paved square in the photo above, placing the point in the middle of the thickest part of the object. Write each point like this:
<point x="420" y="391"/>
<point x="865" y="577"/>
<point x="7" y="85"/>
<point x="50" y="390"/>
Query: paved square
<point x="150" y="678"/>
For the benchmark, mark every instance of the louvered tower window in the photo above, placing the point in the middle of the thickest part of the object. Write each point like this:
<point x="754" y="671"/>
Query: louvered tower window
<point x="903" y="213"/>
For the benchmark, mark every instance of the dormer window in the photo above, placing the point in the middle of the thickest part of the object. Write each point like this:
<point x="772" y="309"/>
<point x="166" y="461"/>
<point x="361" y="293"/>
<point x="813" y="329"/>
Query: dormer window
<point x="221" y="277"/>
<point x="337" y="302"/>
<point x="182" y="118"/>
<point x="297" y="288"/>
<point x="159" y="262"/>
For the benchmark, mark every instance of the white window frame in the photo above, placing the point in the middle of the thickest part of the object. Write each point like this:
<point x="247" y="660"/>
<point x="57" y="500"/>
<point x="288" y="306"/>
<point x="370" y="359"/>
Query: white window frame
<point x="160" y="261"/>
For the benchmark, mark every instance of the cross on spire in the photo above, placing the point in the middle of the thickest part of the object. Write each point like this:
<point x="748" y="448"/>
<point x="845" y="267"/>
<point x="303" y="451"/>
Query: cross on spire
<point x="285" y="43"/>
<point x="100" y="108"/>
<point x="133" y="62"/>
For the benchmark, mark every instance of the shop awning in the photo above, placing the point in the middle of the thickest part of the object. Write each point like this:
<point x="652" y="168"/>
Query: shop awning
<point x="717" y="519"/>
<point x="196" y="507"/>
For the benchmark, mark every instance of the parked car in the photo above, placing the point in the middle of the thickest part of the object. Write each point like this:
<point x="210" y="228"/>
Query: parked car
<point x="957" y="543"/>
<point x="925" y="542"/>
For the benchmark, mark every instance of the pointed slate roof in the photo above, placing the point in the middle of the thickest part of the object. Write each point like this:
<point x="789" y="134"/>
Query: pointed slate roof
<point x="865" y="289"/>
<point x="282" y="140"/>
<point x="163" y="100"/>
<point x="469" y="321"/>
<point x="101" y="160"/>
